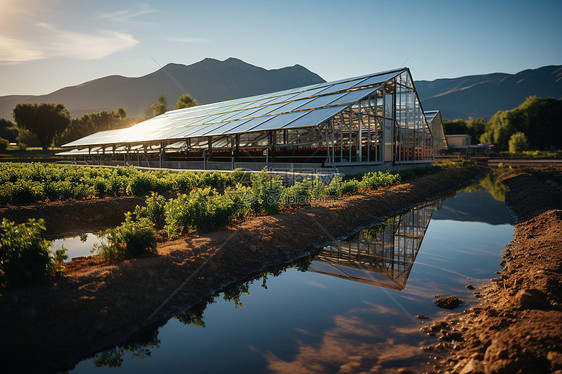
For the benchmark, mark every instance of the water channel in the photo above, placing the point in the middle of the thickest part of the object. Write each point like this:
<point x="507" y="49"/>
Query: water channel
<point x="350" y="308"/>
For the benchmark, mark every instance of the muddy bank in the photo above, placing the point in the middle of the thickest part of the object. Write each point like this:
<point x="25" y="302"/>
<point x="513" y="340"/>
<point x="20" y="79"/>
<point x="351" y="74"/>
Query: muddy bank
<point x="517" y="327"/>
<point x="65" y="218"/>
<point x="53" y="325"/>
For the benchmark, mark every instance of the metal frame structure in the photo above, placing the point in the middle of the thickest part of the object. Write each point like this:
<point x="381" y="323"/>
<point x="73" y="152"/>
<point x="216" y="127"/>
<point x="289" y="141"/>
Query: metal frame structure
<point x="382" y="256"/>
<point x="368" y="120"/>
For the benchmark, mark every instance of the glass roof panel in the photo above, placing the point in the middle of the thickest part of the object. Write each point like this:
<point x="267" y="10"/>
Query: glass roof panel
<point x="267" y="109"/>
<point x="246" y="113"/>
<point x="292" y="105"/>
<point x="226" y="127"/>
<point x="278" y="121"/>
<point x="250" y="124"/>
<point x="308" y="93"/>
<point x="202" y="130"/>
<point x="378" y="79"/>
<point x="354" y="96"/>
<point x="283" y="98"/>
<point x="342" y="86"/>
<point x="315" y="117"/>
<point x="256" y="103"/>
<point x="321" y="101"/>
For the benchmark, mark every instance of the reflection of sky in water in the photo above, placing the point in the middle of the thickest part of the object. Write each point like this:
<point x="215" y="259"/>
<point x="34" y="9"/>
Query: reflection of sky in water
<point x="312" y="322"/>
<point x="76" y="246"/>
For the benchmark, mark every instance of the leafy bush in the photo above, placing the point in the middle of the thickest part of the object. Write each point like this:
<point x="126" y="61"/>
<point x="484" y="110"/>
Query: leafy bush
<point x="100" y="187"/>
<point x="376" y="179"/>
<point x="349" y="187"/>
<point x="130" y="239"/>
<point x="213" y="180"/>
<point x="202" y="209"/>
<point x="141" y="184"/>
<point x="518" y="143"/>
<point x="25" y="255"/>
<point x="302" y="193"/>
<point x="154" y="210"/>
<point x="4" y="144"/>
<point x="266" y="193"/>
<point x="24" y="192"/>
<point x="185" y="181"/>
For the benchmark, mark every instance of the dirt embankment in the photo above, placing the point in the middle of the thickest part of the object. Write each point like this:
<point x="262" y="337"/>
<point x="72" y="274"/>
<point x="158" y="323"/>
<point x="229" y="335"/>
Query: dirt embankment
<point x="95" y="305"/>
<point x="517" y="327"/>
<point x="64" y="218"/>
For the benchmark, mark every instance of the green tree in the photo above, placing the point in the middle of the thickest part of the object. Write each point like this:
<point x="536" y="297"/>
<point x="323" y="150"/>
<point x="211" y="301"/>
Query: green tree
<point x="518" y="143"/>
<point x="161" y="106"/>
<point x="45" y="120"/>
<point x="122" y="113"/>
<point x="537" y="118"/>
<point x="8" y="130"/>
<point x="185" y="101"/>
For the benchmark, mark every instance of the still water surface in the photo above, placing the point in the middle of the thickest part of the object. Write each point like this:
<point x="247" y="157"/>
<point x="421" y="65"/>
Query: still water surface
<point x="353" y="309"/>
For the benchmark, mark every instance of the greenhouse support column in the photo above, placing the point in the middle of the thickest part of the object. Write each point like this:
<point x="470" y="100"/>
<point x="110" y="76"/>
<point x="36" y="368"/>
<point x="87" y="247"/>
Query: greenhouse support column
<point x="272" y="143"/>
<point x="237" y="149"/>
<point x="349" y="143"/>
<point x="359" y="150"/>
<point x="209" y="147"/>
<point x="232" y="150"/>
<point x="267" y="157"/>
<point x="333" y="139"/>
<point x="161" y="154"/>
<point x="327" y="144"/>
<point x="341" y="137"/>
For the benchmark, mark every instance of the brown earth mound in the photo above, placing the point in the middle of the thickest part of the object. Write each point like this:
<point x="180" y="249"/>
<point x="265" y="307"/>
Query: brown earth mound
<point x="51" y="326"/>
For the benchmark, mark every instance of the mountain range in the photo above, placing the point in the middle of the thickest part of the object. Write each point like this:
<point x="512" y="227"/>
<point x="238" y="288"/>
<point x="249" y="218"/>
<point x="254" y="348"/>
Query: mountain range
<point x="212" y="80"/>
<point x="484" y="95"/>
<point x="207" y="81"/>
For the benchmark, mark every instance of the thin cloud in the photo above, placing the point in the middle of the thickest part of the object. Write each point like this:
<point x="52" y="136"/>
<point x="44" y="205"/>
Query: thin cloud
<point x="187" y="40"/>
<point x="13" y="51"/>
<point x="51" y="41"/>
<point x="128" y="15"/>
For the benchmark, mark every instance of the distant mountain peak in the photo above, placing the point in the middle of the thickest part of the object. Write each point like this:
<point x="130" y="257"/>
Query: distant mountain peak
<point x="208" y="80"/>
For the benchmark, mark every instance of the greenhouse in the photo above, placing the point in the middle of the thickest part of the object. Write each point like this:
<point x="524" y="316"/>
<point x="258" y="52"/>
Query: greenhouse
<point x="435" y="123"/>
<point x="376" y="119"/>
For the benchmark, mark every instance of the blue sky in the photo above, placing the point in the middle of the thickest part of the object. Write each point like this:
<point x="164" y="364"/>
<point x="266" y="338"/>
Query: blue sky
<point x="49" y="44"/>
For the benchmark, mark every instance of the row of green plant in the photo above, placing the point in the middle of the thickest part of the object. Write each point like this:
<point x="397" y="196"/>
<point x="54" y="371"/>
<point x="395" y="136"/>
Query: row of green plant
<point x="204" y="209"/>
<point x="22" y="183"/>
<point x="25" y="255"/>
<point x="533" y="154"/>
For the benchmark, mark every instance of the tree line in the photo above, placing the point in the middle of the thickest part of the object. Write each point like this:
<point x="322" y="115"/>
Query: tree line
<point x="535" y="124"/>
<point x="48" y="124"/>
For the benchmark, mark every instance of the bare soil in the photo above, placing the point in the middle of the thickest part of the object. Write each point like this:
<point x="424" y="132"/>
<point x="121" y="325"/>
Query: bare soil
<point x="65" y="218"/>
<point x="53" y="325"/>
<point x="517" y="327"/>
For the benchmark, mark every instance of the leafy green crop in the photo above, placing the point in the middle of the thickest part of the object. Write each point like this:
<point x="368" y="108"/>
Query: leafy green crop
<point x="130" y="239"/>
<point x="24" y="254"/>
<point x="25" y="183"/>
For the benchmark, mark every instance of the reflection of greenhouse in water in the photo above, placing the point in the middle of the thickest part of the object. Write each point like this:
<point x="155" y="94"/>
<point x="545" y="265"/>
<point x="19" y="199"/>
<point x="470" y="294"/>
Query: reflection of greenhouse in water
<point x="382" y="256"/>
